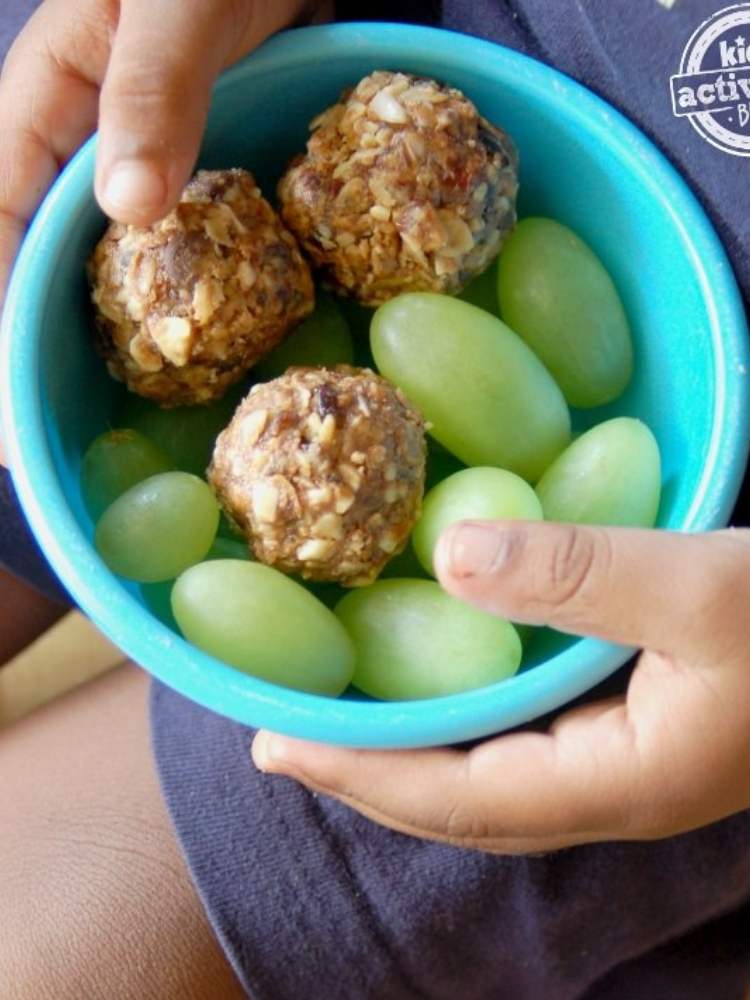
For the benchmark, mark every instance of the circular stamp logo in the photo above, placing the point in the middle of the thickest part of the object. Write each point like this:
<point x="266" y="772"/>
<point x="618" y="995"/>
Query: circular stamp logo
<point x="712" y="88"/>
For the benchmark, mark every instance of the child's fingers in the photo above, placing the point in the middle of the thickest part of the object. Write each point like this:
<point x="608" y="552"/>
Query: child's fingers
<point x="670" y="759"/>
<point x="654" y="589"/>
<point x="514" y="794"/>
<point x="48" y="103"/>
<point x="155" y="99"/>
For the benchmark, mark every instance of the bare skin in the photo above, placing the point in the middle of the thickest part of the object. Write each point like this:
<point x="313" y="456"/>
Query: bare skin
<point x="669" y="756"/>
<point x="95" y="899"/>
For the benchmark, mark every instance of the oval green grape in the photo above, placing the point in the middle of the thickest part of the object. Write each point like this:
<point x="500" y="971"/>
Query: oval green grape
<point x="412" y="640"/>
<point x="488" y="397"/>
<point x="115" y="461"/>
<point x="256" y="619"/>
<point x="322" y="340"/>
<point x="556" y="294"/>
<point x="483" y="494"/>
<point x="609" y="475"/>
<point x="186" y="434"/>
<point x="158" y="528"/>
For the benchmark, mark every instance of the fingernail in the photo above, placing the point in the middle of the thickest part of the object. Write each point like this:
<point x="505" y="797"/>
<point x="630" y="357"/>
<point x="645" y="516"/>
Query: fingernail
<point x="132" y="185"/>
<point x="263" y="750"/>
<point x="473" y="550"/>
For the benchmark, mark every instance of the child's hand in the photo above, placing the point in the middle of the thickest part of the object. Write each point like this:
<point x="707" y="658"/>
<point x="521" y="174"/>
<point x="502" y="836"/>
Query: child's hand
<point x="144" y="69"/>
<point x="670" y="756"/>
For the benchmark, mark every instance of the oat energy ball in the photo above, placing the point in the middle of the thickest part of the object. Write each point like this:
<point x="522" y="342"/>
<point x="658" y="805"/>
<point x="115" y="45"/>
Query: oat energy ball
<point x="323" y="472"/>
<point x="404" y="187"/>
<point x="185" y="307"/>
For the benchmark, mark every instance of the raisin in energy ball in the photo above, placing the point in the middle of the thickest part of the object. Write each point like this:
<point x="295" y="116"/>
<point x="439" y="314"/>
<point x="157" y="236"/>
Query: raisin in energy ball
<point x="185" y="307"/>
<point x="323" y="471"/>
<point x="404" y="187"/>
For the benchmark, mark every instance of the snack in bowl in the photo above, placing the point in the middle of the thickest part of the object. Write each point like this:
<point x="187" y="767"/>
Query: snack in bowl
<point x="404" y="187"/>
<point x="606" y="181"/>
<point x="186" y="306"/>
<point x="323" y="471"/>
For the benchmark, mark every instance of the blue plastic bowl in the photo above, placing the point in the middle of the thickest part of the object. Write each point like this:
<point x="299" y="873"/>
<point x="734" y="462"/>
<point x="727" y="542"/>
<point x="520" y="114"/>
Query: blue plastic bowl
<point x="581" y="163"/>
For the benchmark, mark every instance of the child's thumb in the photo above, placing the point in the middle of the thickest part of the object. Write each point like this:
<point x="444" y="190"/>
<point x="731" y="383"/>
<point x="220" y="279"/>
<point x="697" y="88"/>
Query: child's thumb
<point x="654" y="589"/>
<point x="154" y="101"/>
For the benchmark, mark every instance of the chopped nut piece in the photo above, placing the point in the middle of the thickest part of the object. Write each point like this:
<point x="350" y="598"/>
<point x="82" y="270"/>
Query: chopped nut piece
<point x="319" y="495"/>
<point x="173" y="335"/>
<point x="388" y="543"/>
<point x="246" y="274"/>
<point x="145" y="354"/>
<point x="329" y="525"/>
<point x="381" y="213"/>
<point x="388" y="108"/>
<point x="459" y="236"/>
<point x="344" y="503"/>
<point x="327" y="429"/>
<point x="145" y="274"/>
<point x="315" y="550"/>
<point x="350" y="476"/>
<point x="253" y="426"/>
<point x="207" y="297"/>
<point x="265" y="501"/>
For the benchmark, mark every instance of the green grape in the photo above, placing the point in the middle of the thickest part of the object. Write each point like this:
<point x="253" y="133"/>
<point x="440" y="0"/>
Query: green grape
<point x="489" y="398"/>
<point x="158" y="527"/>
<point x="609" y="475"/>
<point x="556" y="294"/>
<point x="114" y="462"/>
<point x="482" y="494"/>
<point x="187" y="433"/>
<point x="229" y="548"/>
<point x="260" y="621"/>
<point x="413" y="640"/>
<point x="322" y="340"/>
<point x="482" y="291"/>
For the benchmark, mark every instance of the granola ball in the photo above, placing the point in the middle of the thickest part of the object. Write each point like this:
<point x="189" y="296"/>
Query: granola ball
<point x="185" y="307"/>
<point x="323" y="472"/>
<point x="404" y="188"/>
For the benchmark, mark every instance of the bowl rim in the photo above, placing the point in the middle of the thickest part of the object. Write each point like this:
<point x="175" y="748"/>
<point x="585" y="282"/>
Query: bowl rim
<point x="254" y="702"/>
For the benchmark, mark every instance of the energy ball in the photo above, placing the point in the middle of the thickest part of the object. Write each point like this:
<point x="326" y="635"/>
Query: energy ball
<point x="404" y="188"/>
<point x="323" y="472"/>
<point x="185" y="307"/>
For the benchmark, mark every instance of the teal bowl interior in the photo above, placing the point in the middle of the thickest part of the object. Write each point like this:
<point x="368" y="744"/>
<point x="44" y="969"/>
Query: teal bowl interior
<point x="581" y="163"/>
